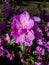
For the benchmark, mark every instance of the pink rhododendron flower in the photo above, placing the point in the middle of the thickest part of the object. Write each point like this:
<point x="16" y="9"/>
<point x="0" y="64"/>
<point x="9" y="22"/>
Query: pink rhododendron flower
<point x="37" y="63"/>
<point x="7" y="38"/>
<point x="46" y="28"/>
<point x="40" y="50"/>
<point x="48" y="24"/>
<point x="41" y="41"/>
<point x="47" y="33"/>
<point x="47" y="46"/>
<point x="36" y="19"/>
<point x="22" y="29"/>
<point x="6" y="2"/>
<point x="2" y="52"/>
<point x="9" y="55"/>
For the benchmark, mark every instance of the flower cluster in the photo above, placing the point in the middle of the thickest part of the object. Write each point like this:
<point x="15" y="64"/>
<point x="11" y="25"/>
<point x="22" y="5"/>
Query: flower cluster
<point x="22" y="29"/>
<point x="25" y="36"/>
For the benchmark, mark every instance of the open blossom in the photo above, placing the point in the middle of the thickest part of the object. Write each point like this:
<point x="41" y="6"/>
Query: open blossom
<point x="40" y="50"/>
<point x="41" y="41"/>
<point x="22" y="29"/>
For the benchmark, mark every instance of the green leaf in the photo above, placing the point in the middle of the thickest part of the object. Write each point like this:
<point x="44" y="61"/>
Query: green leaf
<point x="32" y="61"/>
<point x="30" y="58"/>
<point x="13" y="53"/>
<point x="12" y="42"/>
<point x="23" y="48"/>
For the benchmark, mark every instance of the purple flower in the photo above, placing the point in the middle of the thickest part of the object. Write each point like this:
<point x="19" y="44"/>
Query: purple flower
<point x="1" y="42"/>
<point x="40" y="50"/>
<point x="43" y="15"/>
<point x="2" y="52"/>
<point x="37" y="19"/>
<point x="8" y="11"/>
<point x="10" y="56"/>
<point x="22" y="29"/>
<point x="46" y="28"/>
<point x="47" y="18"/>
<point x="6" y="2"/>
<point x="38" y="63"/>
<point x="2" y="27"/>
<point x="48" y="63"/>
<point x="47" y="24"/>
<point x="41" y="41"/>
<point x="47" y="46"/>
<point x="47" y="33"/>
<point x="7" y="38"/>
<point x="37" y="31"/>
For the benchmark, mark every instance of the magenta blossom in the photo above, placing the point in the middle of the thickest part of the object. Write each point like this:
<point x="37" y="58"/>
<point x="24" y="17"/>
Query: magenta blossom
<point x="22" y="29"/>
<point x="37" y="63"/>
<point x="7" y="38"/>
<point x="37" y="19"/>
<point x="47" y="33"/>
<point x="40" y="50"/>
<point x="48" y="24"/>
<point x="41" y="41"/>
<point x="2" y="52"/>
<point x="9" y="56"/>
<point x="47" y="46"/>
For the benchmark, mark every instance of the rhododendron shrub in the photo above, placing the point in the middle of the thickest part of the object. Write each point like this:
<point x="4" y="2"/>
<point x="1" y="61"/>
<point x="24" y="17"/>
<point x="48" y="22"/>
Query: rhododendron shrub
<point x="24" y="39"/>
